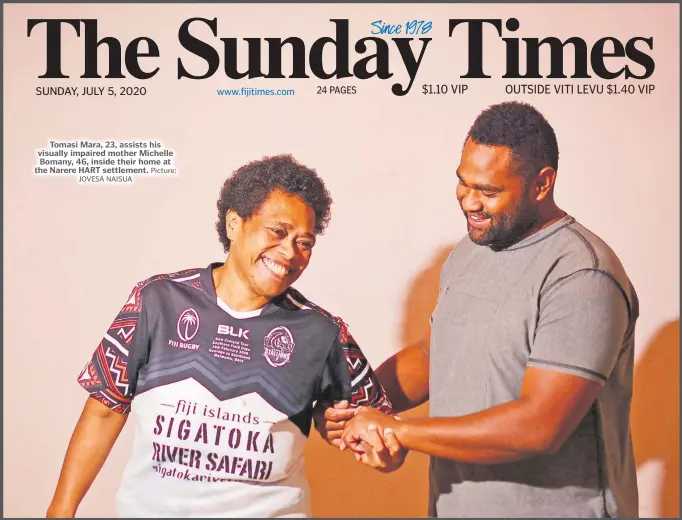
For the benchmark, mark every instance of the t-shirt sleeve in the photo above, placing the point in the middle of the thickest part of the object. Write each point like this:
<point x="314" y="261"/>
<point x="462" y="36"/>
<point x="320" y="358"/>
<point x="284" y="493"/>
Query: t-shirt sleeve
<point x="348" y="375"/>
<point x="111" y="373"/>
<point x="582" y="323"/>
<point x="442" y="282"/>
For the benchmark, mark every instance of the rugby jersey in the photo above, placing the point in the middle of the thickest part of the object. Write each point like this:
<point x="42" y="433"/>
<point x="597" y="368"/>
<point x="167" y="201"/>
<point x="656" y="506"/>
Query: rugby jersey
<point x="222" y="401"/>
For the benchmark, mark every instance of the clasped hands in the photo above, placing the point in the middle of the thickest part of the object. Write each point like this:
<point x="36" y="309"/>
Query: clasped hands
<point x="367" y="432"/>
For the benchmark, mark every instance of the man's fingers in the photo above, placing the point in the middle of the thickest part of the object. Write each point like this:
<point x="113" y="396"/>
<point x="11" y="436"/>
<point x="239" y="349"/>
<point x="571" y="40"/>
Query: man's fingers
<point x="375" y="460"/>
<point x="369" y="458"/>
<point x="391" y="442"/>
<point x="373" y="438"/>
<point x="352" y="440"/>
<point x="341" y="404"/>
<point x="377" y="447"/>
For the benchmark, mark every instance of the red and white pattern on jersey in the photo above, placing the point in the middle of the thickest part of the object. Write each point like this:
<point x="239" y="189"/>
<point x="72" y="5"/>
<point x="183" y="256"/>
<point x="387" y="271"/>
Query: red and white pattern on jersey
<point x="106" y="375"/>
<point x="124" y="328"/>
<point x="366" y="389"/>
<point x="133" y="303"/>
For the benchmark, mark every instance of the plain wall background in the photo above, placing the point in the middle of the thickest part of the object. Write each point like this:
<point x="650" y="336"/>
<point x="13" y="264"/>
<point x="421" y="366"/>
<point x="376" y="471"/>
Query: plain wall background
<point x="73" y="252"/>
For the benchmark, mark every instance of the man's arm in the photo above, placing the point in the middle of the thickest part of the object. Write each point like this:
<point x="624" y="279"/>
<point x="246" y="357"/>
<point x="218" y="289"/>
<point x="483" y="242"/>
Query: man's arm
<point x="349" y="376"/>
<point x="549" y="409"/>
<point x="348" y="382"/>
<point x="583" y="321"/>
<point x="405" y="377"/>
<point x="94" y="436"/>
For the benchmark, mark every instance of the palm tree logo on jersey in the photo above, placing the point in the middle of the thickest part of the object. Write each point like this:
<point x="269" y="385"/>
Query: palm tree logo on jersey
<point x="188" y="325"/>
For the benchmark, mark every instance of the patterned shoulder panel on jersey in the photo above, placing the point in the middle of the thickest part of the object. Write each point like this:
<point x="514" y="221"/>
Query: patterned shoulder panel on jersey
<point x="111" y="374"/>
<point x="366" y="390"/>
<point x="107" y="376"/>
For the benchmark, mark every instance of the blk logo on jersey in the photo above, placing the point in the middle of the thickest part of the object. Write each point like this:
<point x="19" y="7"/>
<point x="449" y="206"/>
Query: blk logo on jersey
<point x="188" y="325"/>
<point x="229" y="330"/>
<point x="279" y="346"/>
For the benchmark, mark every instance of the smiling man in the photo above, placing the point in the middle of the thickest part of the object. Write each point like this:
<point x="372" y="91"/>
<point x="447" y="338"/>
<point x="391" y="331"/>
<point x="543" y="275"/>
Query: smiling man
<point x="528" y="368"/>
<point x="221" y="365"/>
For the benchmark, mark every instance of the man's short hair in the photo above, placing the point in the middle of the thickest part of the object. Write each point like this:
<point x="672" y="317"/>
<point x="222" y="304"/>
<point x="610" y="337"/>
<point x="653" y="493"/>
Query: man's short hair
<point x="249" y="186"/>
<point x="521" y="128"/>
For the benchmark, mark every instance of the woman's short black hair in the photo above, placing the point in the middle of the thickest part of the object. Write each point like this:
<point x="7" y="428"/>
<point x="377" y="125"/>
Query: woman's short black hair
<point x="248" y="187"/>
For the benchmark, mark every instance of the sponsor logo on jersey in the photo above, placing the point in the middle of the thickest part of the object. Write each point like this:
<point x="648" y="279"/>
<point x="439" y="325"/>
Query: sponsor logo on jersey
<point x="229" y="330"/>
<point x="187" y="328"/>
<point x="188" y="325"/>
<point x="278" y="346"/>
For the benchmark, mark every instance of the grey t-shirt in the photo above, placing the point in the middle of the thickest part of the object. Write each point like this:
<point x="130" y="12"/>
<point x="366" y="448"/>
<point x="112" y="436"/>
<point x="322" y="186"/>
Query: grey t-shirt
<point x="559" y="299"/>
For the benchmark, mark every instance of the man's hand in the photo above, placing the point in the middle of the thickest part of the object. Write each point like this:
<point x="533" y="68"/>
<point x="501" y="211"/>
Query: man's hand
<point x="370" y="435"/>
<point x="330" y="421"/>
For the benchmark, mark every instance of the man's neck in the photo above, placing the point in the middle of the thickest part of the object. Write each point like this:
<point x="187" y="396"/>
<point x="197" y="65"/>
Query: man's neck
<point x="546" y="217"/>
<point x="231" y="288"/>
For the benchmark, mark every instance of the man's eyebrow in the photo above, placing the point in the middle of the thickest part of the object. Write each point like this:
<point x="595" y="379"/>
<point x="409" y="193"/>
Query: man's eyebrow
<point x="480" y="187"/>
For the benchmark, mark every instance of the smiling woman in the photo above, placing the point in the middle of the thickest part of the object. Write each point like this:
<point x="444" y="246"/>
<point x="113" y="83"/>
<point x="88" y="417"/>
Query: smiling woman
<point x="269" y="214"/>
<point x="233" y="336"/>
<point x="273" y="248"/>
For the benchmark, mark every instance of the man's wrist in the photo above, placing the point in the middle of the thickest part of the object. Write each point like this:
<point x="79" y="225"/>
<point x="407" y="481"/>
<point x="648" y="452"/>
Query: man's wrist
<point x="60" y="510"/>
<point x="401" y="429"/>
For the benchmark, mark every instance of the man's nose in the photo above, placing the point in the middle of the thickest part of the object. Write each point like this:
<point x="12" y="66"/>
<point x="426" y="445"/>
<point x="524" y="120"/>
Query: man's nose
<point x="471" y="202"/>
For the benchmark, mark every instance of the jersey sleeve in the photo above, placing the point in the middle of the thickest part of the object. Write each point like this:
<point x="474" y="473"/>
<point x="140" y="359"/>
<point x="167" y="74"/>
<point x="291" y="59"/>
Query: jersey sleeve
<point x="110" y="376"/>
<point x="583" y="322"/>
<point x="348" y="375"/>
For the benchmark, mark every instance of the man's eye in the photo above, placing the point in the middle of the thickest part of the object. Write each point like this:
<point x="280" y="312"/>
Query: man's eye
<point x="279" y="232"/>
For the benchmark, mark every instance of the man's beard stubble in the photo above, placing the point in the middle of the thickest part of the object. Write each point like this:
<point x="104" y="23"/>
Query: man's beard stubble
<point x="507" y="228"/>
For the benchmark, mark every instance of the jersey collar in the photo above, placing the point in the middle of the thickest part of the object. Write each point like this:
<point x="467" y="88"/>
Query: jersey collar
<point x="206" y="278"/>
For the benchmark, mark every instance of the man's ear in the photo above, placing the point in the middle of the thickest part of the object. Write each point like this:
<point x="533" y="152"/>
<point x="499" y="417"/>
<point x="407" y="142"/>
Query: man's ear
<point x="543" y="183"/>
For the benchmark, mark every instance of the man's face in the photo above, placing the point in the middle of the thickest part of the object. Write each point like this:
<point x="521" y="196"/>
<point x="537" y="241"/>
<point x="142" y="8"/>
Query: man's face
<point x="271" y="249"/>
<point x="493" y="197"/>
